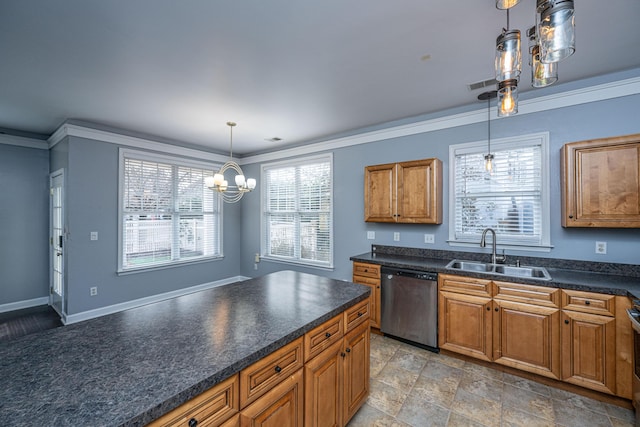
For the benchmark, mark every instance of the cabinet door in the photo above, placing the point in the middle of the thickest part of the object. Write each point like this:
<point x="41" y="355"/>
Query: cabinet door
<point x="527" y="337"/>
<point x="589" y="350"/>
<point x="379" y="193"/>
<point x="282" y="406"/>
<point x="374" y="284"/>
<point x="601" y="183"/>
<point x="464" y="324"/>
<point x="419" y="192"/>
<point x="323" y="388"/>
<point x="356" y="370"/>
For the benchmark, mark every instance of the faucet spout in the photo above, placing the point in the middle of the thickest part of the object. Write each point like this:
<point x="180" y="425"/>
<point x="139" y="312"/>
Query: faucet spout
<point x="483" y="243"/>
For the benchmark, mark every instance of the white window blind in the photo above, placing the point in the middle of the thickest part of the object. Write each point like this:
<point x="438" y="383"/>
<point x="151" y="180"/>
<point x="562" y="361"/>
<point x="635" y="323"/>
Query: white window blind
<point x="167" y="215"/>
<point x="297" y="211"/>
<point x="511" y="199"/>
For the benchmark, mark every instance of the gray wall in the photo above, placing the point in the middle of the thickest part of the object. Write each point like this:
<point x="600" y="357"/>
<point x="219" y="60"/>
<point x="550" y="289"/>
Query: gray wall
<point x="595" y="120"/>
<point x="24" y="223"/>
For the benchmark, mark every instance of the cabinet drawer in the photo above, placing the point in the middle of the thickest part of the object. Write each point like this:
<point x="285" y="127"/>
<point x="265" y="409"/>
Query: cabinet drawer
<point x="464" y="285"/>
<point x="263" y="375"/>
<point x="210" y="408"/>
<point x="589" y="302"/>
<point x="538" y="295"/>
<point x="367" y="270"/>
<point x="323" y="336"/>
<point x="366" y="280"/>
<point x="356" y="315"/>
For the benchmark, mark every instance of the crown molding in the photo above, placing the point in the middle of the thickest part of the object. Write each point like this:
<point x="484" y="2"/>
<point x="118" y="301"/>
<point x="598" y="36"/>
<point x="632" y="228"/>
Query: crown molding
<point x="130" y="141"/>
<point x="21" y="141"/>
<point x="570" y="98"/>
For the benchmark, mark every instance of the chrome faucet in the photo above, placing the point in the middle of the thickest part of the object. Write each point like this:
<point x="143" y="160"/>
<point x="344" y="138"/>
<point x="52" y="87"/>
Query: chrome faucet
<point x="483" y="243"/>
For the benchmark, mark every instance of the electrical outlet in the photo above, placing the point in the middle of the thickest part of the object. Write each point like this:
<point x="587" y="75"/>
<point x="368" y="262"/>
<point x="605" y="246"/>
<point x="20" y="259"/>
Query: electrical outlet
<point x="93" y="291"/>
<point x="601" y="248"/>
<point x="94" y="235"/>
<point x="429" y="238"/>
<point x="396" y="237"/>
<point x="256" y="259"/>
<point x="371" y="235"/>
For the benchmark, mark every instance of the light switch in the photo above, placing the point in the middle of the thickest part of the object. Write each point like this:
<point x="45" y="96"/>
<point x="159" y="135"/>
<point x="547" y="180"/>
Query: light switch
<point x="371" y="235"/>
<point x="94" y="235"/>
<point x="396" y="237"/>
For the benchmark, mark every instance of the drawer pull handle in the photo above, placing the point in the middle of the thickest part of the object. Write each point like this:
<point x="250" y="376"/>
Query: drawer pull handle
<point x="587" y="302"/>
<point x="193" y="422"/>
<point x="359" y="314"/>
<point x="278" y="369"/>
<point x="327" y="335"/>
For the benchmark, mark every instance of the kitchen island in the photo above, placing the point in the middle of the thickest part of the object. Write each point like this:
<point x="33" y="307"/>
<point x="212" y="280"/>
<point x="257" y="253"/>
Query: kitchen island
<point x="129" y="368"/>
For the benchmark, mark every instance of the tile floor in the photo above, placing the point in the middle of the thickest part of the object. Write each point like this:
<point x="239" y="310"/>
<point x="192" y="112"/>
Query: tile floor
<point x="418" y="388"/>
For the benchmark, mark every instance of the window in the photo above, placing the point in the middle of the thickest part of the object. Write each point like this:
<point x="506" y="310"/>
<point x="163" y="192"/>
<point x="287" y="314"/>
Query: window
<point x="166" y="214"/>
<point x="513" y="199"/>
<point x="297" y="211"/>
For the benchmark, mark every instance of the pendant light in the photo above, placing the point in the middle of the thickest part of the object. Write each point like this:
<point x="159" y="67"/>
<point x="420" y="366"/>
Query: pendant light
<point x="506" y="4"/>
<point x="488" y="158"/>
<point x="542" y="74"/>
<point x="230" y="193"/>
<point x="556" y="29"/>
<point x="507" y="98"/>
<point x="508" y="62"/>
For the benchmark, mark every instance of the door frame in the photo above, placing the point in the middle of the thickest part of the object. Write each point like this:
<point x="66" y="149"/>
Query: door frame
<point x="59" y="306"/>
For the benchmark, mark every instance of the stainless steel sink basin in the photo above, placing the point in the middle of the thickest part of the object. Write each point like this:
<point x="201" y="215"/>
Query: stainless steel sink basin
<point x="504" y="270"/>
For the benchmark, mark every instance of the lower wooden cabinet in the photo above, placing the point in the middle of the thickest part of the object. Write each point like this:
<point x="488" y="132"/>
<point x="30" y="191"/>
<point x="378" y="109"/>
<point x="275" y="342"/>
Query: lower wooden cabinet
<point x="356" y="370"/>
<point x="369" y="275"/>
<point x="282" y="406"/>
<point x="583" y="338"/>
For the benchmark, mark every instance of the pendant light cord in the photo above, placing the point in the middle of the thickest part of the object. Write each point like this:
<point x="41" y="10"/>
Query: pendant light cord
<point x="489" y="121"/>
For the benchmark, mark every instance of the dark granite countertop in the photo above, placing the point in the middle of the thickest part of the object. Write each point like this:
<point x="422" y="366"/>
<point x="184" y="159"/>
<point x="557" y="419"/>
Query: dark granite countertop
<point x="609" y="279"/>
<point x="129" y="368"/>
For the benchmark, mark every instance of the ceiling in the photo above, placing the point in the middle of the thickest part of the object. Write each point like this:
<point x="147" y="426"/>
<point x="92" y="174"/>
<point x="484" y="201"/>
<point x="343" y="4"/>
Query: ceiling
<point x="296" y="70"/>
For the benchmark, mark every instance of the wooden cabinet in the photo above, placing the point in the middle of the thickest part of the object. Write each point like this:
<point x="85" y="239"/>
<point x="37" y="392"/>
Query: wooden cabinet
<point x="281" y="406"/>
<point x="583" y="338"/>
<point x="526" y="333"/>
<point x="464" y="316"/>
<point x="337" y="379"/>
<point x="407" y="192"/>
<point x="601" y="183"/>
<point x="211" y="408"/>
<point x="369" y="275"/>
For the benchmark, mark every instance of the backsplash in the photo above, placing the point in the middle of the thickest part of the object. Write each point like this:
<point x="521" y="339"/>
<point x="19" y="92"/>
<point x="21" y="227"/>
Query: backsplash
<point x="568" y="264"/>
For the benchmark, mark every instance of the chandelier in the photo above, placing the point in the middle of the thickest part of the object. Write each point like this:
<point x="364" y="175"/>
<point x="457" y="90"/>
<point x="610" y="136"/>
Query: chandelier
<point x="551" y="40"/>
<point x="217" y="182"/>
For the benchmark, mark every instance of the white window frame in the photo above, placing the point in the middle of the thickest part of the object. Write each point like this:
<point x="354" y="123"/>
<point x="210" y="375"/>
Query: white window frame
<point x="263" y="229"/>
<point x="541" y="139"/>
<point x="173" y="161"/>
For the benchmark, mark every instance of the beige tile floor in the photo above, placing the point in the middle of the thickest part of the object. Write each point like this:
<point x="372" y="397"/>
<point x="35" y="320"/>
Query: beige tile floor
<point x="418" y="388"/>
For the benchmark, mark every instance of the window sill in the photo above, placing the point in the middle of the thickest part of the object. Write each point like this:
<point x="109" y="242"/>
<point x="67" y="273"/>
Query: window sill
<point x="511" y="247"/>
<point x="121" y="272"/>
<point x="298" y="263"/>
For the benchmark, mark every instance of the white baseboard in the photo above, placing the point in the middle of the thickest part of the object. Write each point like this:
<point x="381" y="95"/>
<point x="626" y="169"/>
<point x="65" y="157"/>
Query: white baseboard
<point x="103" y="311"/>
<point x="19" y="305"/>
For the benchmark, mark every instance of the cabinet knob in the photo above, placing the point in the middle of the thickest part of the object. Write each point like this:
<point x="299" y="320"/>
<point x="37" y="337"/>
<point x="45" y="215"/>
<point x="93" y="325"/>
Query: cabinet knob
<point x="566" y="321"/>
<point x="193" y="422"/>
<point x="359" y="314"/>
<point x="348" y="350"/>
<point x="327" y="335"/>
<point x="278" y="369"/>
<point x="488" y="308"/>
<point x="497" y="309"/>
<point x="570" y="216"/>
<point x="587" y="302"/>
<point x="342" y="354"/>
<point x="378" y="287"/>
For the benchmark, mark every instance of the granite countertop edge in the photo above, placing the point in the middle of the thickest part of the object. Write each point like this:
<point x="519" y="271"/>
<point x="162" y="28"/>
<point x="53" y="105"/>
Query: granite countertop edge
<point x="579" y="280"/>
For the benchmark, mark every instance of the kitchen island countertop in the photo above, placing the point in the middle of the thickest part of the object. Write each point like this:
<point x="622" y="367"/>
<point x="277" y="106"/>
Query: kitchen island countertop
<point x="131" y="367"/>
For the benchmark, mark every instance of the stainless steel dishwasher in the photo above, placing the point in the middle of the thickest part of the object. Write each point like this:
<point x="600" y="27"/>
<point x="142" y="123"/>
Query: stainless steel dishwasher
<point x="409" y="306"/>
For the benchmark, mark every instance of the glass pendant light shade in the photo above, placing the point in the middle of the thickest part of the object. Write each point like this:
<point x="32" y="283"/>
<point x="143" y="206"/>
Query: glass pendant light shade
<point x="542" y="74"/>
<point x="508" y="57"/>
<point x="507" y="98"/>
<point x="506" y="4"/>
<point x="556" y="29"/>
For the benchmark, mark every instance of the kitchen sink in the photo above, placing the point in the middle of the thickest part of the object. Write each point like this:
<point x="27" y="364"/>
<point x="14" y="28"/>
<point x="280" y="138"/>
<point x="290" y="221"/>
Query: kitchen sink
<point x="504" y="270"/>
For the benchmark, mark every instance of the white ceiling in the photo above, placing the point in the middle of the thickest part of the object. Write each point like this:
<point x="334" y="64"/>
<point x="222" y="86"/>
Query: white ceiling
<point x="297" y="70"/>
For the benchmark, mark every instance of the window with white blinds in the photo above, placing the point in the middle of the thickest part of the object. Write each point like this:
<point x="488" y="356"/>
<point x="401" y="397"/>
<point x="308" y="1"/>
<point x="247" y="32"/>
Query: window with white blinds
<point x="166" y="213"/>
<point x="297" y="211"/>
<point x="512" y="199"/>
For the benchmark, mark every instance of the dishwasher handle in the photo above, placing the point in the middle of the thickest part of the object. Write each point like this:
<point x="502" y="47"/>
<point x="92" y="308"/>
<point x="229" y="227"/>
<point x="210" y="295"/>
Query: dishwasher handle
<point x="422" y="275"/>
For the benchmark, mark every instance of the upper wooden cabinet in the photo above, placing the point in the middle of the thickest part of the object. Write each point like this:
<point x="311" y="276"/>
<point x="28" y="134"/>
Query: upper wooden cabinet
<point x="601" y="183"/>
<point x="407" y="192"/>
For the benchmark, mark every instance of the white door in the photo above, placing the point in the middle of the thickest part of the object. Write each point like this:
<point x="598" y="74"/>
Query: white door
<point x="57" y="242"/>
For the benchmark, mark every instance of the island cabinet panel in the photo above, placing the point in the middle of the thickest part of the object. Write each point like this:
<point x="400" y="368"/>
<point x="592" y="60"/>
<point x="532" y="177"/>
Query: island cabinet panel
<point x="323" y="336"/>
<point x="356" y="315"/>
<point x="323" y="388"/>
<point x="406" y="192"/>
<point x="231" y="422"/>
<point x="356" y="370"/>
<point x="601" y="183"/>
<point x="281" y="406"/>
<point x="369" y="275"/>
<point x="589" y="350"/>
<point x="527" y="337"/>
<point x="211" y="408"/>
<point x="260" y="377"/>
<point x="464" y="324"/>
